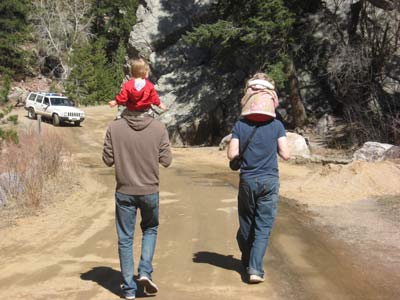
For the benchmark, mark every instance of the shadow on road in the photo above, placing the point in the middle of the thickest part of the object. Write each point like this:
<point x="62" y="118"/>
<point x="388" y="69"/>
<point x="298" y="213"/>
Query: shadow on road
<point x="227" y="262"/>
<point x="110" y="279"/>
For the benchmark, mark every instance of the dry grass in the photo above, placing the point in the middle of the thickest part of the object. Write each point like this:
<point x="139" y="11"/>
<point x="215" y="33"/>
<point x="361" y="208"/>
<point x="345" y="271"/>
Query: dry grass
<point x="30" y="170"/>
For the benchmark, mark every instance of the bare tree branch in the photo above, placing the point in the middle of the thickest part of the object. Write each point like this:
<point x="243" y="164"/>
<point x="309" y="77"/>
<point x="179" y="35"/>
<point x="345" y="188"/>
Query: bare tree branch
<point x="61" y="24"/>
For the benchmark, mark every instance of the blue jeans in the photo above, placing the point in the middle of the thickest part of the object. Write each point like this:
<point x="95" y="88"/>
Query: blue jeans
<point x="125" y="210"/>
<point x="257" y="208"/>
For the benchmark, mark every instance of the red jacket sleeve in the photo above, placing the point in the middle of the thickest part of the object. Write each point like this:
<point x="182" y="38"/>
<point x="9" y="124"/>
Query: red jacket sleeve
<point x="154" y="99"/>
<point x="122" y="97"/>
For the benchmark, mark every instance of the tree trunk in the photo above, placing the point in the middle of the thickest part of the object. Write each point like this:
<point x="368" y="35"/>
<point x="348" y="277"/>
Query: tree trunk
<point x="383" y="4"/>
<point x="298" y="111"/>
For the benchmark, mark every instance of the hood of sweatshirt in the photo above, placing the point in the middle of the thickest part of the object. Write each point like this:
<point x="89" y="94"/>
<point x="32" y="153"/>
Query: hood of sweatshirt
<point x="137" y="120"/>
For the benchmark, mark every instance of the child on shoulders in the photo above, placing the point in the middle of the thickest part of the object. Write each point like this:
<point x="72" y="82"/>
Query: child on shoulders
<point x="260" y="99"/>
<point x="138" y="93"/>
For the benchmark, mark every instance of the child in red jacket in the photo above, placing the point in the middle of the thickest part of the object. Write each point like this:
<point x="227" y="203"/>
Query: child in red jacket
<point x="138" y="93"/>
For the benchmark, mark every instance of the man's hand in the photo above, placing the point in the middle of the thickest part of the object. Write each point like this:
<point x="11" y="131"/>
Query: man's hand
<point x="112" y="103"/>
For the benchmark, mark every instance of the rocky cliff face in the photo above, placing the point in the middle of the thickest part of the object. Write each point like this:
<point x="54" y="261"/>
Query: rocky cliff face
<point x="203" y="103"/>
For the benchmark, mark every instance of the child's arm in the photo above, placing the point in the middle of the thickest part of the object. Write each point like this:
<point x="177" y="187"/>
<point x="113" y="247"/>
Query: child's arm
<point x="162" y="106"/>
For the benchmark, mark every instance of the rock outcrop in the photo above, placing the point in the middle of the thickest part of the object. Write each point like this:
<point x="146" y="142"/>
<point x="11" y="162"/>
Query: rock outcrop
<point x="373" y="151"/>
<point x="204" y="101"/>
<point x="203" y="104"/>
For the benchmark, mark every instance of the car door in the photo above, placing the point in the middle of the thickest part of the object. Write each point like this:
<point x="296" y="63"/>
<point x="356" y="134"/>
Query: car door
<point x="38" y="105"/>
<point x="46" y="106"/>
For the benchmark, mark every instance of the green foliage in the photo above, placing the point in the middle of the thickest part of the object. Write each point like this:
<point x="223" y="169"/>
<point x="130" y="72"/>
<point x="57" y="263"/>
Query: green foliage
<point x="93" y="80"/>
<point x="113" y="21"/>
<point x="278" y="72"/>
<point x="207" y="35"/>
<point x="13" y="119"/>
<point x="260" y="30"/>
<point x="118" y="67"/>
<point x="13" y="32"/>
<point x="5" y="89"/>
<point x="9" y="135"/>
<point x="7" y="110"/>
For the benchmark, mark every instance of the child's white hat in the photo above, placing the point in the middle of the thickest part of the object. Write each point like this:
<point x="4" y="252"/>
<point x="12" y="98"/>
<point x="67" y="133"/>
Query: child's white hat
<point x="261" y="83"/>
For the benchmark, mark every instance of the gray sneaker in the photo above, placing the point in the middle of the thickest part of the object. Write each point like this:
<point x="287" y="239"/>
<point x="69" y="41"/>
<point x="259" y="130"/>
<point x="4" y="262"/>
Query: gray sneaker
<point x="256" y="279"/>
<point x="149" y="286"/>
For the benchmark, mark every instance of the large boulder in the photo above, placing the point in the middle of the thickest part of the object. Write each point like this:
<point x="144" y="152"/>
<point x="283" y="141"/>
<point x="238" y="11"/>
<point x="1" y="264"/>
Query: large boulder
<point x="17" y="95"/>
<point x="373" y="151"/>
<point x="298" y="145"/>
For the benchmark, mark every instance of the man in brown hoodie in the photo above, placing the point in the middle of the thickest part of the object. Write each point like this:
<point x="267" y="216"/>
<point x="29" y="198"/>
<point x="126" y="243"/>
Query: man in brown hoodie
<point x="136" y="144"/>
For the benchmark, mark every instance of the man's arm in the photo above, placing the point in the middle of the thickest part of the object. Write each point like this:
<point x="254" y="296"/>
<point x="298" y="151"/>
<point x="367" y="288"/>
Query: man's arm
<point x="165" y="156"/>
<point x="108" y="154"/>
<point x="283" y="148"/>
<point x="233" y="148"/>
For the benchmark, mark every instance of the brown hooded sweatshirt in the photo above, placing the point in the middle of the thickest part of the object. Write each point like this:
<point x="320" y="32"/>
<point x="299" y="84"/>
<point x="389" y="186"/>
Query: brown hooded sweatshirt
<point x="136" y="144"/>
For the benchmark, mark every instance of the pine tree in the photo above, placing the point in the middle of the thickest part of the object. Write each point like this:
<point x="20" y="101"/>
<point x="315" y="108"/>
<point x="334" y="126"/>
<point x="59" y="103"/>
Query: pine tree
<point x="13" y="30"/>
<point x="93" y="80"/>
<point x="113" y="21"/>
<point x="256" y="32"/>
<point x="118" y="67"/>
<point x="79" y="84"/>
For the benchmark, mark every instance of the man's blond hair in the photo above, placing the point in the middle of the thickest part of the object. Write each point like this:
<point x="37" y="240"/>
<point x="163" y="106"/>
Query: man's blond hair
<point x="139" y="67"/>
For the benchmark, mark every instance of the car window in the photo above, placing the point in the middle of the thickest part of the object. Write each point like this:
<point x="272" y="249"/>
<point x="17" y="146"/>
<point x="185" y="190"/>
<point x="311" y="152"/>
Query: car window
<point x="46" y="101"/>
<point x="39" y="99"/>
<point x="32" y="97"/>
<point x="61" y="102"/>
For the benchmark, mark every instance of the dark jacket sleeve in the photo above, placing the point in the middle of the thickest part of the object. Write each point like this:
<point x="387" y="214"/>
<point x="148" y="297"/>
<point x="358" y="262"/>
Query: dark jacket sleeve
<point x="165" y="157"/>
<point x="108" y="154"/>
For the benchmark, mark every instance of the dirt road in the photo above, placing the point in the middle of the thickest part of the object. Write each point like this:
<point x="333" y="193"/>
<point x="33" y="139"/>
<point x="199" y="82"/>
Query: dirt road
<point x="70" y="250"/>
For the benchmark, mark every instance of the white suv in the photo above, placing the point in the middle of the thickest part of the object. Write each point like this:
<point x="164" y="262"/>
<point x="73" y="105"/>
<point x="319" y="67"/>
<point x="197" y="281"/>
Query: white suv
<point x="53" y="106"/>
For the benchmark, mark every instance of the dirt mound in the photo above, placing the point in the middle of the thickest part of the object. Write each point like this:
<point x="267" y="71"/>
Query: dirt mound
<point x="332" y="184"/>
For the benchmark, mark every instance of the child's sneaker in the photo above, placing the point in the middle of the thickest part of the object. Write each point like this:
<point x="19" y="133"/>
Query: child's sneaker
<point x="149" y="286"/>
<point x="256" y="279"/>
<point x="130" y="297"/>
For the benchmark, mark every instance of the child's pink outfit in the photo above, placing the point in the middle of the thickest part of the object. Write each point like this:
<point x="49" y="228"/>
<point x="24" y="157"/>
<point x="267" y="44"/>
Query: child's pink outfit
<point x="260" y="101"/>
<point x="138" y="95"/>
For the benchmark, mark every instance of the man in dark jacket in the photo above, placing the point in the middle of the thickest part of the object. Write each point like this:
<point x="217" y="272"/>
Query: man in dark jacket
<point x="136" y="144"/>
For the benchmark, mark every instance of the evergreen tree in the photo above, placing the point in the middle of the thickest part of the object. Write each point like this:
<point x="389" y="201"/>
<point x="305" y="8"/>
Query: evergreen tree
<point x="92" y="79"/>
<point x="118" y="67"/>
<point x="5" y="89"/>
<point x="113" y="21"/>
<point x="13" y="30"/>
<point x="80" y="81"/>
<point x="256" y="34"/>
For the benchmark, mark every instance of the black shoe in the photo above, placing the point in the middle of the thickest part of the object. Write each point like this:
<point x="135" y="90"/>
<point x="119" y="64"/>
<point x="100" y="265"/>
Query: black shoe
<point x="149" y="286"/>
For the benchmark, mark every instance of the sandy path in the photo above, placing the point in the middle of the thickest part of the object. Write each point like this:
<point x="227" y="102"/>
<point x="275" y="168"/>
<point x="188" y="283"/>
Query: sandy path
<point x="70" y="251"/>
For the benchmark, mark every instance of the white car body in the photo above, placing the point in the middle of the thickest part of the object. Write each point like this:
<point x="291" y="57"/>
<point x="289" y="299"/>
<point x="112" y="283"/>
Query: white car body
<point x="53" y="106"/>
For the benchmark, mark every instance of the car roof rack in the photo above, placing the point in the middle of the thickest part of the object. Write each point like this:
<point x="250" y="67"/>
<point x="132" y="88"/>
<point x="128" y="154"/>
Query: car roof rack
<point x="51" y="94"/>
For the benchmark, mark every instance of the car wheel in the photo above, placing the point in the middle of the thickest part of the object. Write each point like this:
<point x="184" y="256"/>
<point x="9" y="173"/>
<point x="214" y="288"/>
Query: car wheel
<point x="31" y="114"/>
<point x="77" y="123"/>
<point x="56" y="120"/>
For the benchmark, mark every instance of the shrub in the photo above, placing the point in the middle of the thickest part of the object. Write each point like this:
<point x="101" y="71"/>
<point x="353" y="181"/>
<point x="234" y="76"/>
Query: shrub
<point x="26" y="167"/>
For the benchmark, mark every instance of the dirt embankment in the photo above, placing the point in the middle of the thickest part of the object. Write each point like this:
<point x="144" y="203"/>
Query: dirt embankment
<point x="316" y="184"/>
